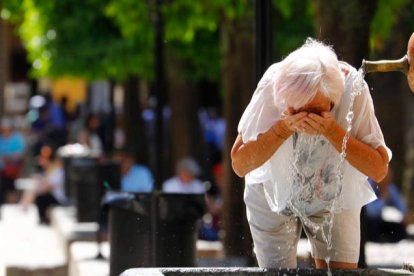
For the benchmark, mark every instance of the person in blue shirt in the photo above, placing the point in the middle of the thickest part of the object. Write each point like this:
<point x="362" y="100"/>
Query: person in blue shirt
<point x="12" y="147"/>
<point x="379" y="227"/>
<point x="134" y="177"/>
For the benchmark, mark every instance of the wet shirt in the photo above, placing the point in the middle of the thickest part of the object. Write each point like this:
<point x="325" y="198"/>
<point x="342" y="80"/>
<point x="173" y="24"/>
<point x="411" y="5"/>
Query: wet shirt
<point x="313" y="175"/>
<point x="302" y="175"/>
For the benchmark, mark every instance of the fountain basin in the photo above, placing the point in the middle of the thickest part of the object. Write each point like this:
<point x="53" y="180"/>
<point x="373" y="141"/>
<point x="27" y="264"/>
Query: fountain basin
<point x="246" y="271"/>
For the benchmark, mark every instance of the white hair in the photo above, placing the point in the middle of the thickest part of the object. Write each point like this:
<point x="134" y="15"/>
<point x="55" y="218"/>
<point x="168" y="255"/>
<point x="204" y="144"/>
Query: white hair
<point x="189" y="165"/>
<point x="311" y="68"/>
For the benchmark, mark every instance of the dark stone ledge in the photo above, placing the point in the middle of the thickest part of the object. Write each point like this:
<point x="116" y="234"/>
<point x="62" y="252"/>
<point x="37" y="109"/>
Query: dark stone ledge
<point x="243" y="271"/>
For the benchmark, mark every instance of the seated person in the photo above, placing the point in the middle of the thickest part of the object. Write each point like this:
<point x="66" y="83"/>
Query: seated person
<point x="12" y="147"/>
<point x="379" y="229"/>
<point x="135" y="178"/>
<point x="185" y="181"/>
<point x="49" y="186"/>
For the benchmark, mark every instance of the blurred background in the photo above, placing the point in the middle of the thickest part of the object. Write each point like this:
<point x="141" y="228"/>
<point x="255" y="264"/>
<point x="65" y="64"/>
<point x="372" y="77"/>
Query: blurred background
<point x="166" y="80"/>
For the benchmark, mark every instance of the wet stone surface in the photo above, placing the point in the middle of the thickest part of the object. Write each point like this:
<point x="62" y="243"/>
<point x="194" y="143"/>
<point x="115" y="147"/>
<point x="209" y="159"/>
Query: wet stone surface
<point x="409" y="265"/>
<point x="257" y="271"/>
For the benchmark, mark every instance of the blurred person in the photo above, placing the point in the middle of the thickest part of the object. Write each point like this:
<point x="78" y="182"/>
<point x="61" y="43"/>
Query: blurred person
<point x="214" y="129"/>
<point x="119" y="133"/>
<point x="68" y="116"/>
<point x="12" y="149"/>
<point x="56" y="118"/>
<point x="211" y="223"/>
<point x="379" y="227"/>
<point x="47" y="122"/>
<point x="185" y="180"/>
<point x="135" y="178"/>
<point x="89" y="135"/>
<point x="48" y="187"/>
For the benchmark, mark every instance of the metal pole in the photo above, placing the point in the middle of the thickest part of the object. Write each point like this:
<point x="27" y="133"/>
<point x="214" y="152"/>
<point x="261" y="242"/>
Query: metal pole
<point x="263" y="36"/>
<point x="159" y="87"/>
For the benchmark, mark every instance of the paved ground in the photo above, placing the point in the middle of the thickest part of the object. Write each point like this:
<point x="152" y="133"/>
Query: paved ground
<point x="27" y="245"/>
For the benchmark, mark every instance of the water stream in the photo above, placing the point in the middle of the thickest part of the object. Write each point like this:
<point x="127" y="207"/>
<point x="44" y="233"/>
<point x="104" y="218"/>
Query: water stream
<point x="316" y="175"/>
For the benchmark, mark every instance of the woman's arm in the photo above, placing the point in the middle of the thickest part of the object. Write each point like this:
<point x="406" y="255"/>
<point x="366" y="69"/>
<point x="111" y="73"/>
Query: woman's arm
<point x="249" y="156"/>
<point x="368" y="160"/>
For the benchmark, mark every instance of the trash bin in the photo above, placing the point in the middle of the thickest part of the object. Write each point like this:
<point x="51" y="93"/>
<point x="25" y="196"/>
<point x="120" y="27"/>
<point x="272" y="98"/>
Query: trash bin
<point x="177" y="229"/>
<point x="87" y="188"/>
<point x="68" y="153"/>
<point x="110" y="175"/>
<point x="86" y="179"/>
<point x="133" y="222"/>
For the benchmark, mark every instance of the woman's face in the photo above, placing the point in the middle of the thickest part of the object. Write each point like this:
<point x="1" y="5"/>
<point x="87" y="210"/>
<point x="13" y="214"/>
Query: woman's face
<point x="320" y="103"/>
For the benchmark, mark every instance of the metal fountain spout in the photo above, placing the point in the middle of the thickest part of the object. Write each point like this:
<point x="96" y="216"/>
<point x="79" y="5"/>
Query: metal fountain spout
<point x="402" y="64"/>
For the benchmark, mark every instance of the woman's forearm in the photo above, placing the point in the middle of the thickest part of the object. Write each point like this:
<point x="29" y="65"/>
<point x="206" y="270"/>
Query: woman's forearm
<point x="371" y="162"/>
<point x="249" y="156"/>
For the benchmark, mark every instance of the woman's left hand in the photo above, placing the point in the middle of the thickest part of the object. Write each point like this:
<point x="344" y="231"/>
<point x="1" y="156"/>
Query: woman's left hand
<point x="315" y="124"/>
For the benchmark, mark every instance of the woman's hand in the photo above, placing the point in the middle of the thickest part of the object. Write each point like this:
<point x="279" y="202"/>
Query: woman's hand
<point x="315" y="124"/>
<point x="293" y="121"/>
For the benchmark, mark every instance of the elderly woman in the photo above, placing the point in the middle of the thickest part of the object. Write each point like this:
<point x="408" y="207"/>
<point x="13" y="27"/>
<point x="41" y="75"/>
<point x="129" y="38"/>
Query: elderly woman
<point x="289" y="151"/>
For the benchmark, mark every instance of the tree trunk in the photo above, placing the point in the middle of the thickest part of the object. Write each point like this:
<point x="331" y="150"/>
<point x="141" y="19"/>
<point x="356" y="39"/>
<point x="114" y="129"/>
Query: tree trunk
<point x="4" y="60"/>
<point x="185" y="132"/>
<point x="399" y="108"/>
<point x="238" y="79"/>
<point x="346" y="25"/>
<point x="389" y="92"/>
<point x="135" y="136"/>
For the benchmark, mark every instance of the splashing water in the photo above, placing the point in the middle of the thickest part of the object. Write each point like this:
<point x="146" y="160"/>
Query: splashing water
<point x="328" y="187"/>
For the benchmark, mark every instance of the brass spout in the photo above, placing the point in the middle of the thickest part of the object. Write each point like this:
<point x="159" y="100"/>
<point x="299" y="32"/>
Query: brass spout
<point x="401" y="65"/>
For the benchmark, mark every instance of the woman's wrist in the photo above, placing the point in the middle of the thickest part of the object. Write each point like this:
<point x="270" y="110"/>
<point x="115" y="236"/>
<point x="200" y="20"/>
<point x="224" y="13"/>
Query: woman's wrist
<point x="281" y="131"/>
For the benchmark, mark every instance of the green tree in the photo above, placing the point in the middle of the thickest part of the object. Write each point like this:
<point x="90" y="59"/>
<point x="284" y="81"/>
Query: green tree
<point x="4" y="59"/>
<point x="78" y="38"/>
<point x="191" y="50"/>
<point x="350" y="37"/>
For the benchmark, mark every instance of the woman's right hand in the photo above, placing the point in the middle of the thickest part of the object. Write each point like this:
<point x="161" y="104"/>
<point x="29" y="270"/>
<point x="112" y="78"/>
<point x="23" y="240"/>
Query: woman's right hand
<point x="292" y="121"/>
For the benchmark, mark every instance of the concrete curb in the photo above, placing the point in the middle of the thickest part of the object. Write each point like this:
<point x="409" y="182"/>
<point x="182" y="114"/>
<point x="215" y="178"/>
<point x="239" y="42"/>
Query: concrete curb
<point x="256" y="272"/>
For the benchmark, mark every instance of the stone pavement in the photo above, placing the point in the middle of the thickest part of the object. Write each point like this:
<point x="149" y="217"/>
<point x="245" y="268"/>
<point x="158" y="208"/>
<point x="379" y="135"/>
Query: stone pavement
<point x="391" y="255"/>
<point x="27" y="248"/>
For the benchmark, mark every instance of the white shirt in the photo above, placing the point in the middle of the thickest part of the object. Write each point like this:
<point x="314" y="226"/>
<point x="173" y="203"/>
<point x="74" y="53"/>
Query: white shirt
<point x="175" y="185"/>
<point x="57" y="178"/>
<point x="315" y="189"/>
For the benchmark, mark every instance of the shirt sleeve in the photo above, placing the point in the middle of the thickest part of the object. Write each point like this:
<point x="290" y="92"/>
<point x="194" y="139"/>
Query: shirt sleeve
<point x="262" y="112"/>
<point x="365" y="124"/>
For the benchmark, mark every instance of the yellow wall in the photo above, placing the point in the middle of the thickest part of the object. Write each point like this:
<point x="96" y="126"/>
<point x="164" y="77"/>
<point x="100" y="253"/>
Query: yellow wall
<point x="73" y="88"/>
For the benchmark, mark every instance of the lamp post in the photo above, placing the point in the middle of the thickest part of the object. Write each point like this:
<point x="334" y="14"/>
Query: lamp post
<point x="263" y="36"/>
<point x="159" y="91"/>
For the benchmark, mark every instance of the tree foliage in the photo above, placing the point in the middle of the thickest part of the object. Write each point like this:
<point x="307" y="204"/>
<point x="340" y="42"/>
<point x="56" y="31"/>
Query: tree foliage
<point x="292" y="24"/>
<point x="73" y="37"/>
<point x="384" y="20"/>
<point x="114" y="39"/>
